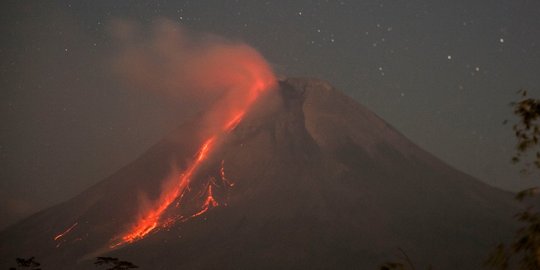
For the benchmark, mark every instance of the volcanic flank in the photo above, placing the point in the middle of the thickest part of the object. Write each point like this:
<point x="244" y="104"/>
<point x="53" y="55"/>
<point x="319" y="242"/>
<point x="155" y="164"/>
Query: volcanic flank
<point x="307" y="178"/>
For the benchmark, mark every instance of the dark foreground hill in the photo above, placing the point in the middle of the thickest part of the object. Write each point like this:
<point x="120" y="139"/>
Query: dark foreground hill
<point x="309" y="179"/>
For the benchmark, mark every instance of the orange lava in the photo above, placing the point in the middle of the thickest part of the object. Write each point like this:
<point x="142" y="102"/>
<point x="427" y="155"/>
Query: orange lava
<point x="208" y="203"/>
<point x="66" y="231"/>
<point x="152" y="218"/>
<point x="234" y="121"/>
<point x="223" y="177"/>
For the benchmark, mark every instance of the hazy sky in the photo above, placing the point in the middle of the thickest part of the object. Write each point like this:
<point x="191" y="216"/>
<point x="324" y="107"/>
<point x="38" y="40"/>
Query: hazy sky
<point x="441" y="72"/>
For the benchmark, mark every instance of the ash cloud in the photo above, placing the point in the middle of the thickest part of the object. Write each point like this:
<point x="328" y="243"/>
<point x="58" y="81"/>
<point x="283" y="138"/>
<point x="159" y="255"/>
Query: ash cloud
<point x="205" y="71"/>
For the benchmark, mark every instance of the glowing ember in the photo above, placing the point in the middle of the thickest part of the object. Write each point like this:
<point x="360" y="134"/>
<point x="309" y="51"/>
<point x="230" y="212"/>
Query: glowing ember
<point x="223" y="177"/>
<point x="56" y="238"/>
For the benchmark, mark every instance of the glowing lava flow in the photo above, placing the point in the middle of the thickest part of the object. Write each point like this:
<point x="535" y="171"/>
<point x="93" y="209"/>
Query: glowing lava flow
<point x="208" y="203"/>
<point x="149" y="222"/>
<point x="234" y="121"/>
<point x="66" y="231"/>
<point x="151" y="219"/>
<point x="223" y="177"/>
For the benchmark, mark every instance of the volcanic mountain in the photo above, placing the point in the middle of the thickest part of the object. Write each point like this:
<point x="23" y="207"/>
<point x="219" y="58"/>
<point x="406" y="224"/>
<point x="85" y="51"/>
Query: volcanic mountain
<point x="307" y="179"/>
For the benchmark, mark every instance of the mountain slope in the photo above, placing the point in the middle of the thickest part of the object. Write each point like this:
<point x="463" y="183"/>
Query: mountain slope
<point x="308" y="179"/>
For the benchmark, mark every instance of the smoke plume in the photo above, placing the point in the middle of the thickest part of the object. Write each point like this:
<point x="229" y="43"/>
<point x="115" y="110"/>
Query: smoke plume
<point x="209" y="72"/>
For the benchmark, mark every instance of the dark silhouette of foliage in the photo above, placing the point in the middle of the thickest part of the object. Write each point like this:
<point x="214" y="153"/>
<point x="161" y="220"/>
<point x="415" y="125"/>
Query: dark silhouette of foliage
<point x="403" y="263"/>
<point x="114" y="263"/>
<point x="526" y="243"/>
<point x="527" y="130"/>
<point x="392" y="266"/>
<point x="29" y="263"/>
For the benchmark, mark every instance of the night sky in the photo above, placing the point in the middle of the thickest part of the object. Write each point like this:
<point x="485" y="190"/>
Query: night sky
<point x="441" y="72"/>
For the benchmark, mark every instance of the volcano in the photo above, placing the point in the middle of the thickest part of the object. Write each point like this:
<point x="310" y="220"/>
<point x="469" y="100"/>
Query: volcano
<point x="307" y="179"/>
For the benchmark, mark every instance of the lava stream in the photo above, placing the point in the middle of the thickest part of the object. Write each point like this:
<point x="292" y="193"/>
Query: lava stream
<point x="223" y="177"/>
<point x="234" y="121"/>
<point x="208" y="203"/>
<point x="151" y="219"/>
<point x="62" y="234"/>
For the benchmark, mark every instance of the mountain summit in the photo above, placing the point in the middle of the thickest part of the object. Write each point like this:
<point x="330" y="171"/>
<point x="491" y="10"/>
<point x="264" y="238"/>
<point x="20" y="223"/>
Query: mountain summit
<point x="308" y="179"/>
